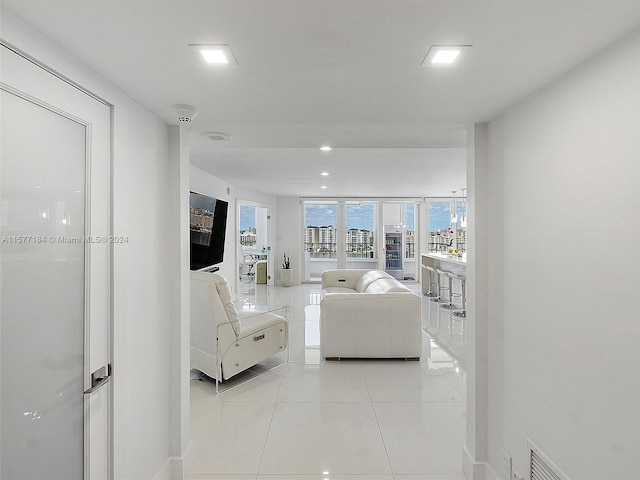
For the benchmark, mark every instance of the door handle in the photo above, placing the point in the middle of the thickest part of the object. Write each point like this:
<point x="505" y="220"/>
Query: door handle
<point x="99" y="378"/>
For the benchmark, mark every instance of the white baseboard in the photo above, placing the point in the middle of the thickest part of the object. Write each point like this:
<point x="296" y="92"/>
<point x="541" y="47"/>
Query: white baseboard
<point x="475" y="470"/>
<point x="178" y="468"/>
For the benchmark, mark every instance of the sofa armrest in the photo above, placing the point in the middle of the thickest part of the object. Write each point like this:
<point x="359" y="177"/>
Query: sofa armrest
<point x="371" y="325"/>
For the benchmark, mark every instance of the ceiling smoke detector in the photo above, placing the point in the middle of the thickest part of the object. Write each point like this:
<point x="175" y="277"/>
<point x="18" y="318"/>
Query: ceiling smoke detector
<point x="218" y="136"/>
<point x="185" y="113"/>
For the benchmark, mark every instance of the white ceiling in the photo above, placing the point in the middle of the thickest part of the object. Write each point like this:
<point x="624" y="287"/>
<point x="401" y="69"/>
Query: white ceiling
<point x="340" y="72"/>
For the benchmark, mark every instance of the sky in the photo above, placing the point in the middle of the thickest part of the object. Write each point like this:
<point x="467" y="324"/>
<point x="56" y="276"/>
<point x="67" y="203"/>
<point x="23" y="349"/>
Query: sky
<point x="247" y="217"/>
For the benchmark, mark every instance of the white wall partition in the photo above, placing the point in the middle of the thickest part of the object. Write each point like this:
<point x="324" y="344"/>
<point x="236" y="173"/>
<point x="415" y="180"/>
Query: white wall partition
<point x="563" y="358"/>
<point x="142" y="292"/>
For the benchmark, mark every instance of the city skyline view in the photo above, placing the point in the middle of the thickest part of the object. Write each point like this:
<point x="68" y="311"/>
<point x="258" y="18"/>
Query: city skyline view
<point x="358" y="216"/>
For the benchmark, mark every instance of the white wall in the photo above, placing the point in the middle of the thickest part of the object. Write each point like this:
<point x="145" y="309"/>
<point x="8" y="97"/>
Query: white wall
<point x="142" y="294"/>
<point x="563" y="215"/>
<point x="289" y="228"/>
<point x="207" y="184"/>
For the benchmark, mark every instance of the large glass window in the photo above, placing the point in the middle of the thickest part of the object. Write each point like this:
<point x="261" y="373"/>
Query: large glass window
<point x="360" y="245"/>
<point x="320" y="230"/>
<point x="345" y="233"/>
<point x="410" y="229"/>
<point x="441" y="224"/>
<point x="321" y="221"/>
<point x="439" y="218"/>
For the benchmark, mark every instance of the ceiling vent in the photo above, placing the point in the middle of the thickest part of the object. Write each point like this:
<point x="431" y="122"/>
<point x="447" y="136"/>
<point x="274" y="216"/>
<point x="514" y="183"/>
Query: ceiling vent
<point x="185" y="113"/>
<point x="217" y="136"/>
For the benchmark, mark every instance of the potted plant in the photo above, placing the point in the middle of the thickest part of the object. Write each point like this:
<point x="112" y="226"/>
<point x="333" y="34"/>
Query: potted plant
<point x="286" y="273"/>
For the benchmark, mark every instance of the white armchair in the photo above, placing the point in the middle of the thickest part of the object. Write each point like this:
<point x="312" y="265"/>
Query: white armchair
<point x="225" y="341"/>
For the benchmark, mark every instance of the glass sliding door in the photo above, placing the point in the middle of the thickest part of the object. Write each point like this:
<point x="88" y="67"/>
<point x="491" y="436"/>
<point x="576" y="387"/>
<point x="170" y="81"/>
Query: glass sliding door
<point x="360" y="235"/>
<point x="351" y="234"/>
<point x="320" y="239"/>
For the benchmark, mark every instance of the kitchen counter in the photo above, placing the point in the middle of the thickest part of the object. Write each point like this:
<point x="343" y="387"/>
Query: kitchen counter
<point x="449" y="263"/>
<point x="443" y="257"/>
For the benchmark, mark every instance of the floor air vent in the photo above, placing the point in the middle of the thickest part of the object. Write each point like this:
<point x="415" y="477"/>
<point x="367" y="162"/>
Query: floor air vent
<point x="541" y="467"/>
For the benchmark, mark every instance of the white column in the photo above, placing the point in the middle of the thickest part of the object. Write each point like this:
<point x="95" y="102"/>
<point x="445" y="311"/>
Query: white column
<point x="182" y="452"/>
<point x="475" y="451"/>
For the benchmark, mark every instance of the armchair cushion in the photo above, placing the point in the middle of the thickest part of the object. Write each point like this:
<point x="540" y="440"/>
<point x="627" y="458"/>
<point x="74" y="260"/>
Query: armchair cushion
<point x="224" y="292"/>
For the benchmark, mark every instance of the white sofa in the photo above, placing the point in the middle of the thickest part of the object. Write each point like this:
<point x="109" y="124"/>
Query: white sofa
<point x="223" y="337"/>
<point x="368" y="314"/>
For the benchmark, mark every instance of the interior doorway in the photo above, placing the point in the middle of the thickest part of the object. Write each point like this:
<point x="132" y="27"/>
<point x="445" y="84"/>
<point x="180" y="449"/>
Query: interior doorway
<point x="254" y="245"/>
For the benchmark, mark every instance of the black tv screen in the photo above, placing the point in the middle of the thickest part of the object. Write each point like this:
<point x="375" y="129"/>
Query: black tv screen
<point x="208" y="225"/>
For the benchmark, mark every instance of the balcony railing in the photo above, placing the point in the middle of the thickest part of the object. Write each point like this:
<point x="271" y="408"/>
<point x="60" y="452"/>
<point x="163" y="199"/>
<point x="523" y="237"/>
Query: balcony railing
<point x="329" y="250"/>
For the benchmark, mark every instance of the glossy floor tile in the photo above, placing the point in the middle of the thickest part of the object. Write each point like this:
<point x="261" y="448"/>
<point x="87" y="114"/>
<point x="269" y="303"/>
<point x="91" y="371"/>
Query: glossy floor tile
<point x="311" y="419"/>
<point x="341" y="438"/>
<point x="420" y="437"/>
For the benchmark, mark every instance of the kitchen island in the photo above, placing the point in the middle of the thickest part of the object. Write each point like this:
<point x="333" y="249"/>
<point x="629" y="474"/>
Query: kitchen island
<point x="450" y="263"/>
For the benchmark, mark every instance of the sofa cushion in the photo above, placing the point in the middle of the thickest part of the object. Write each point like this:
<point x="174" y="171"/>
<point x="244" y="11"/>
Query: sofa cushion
<point x="338" y="290"/>
<point x="384" y="285"/>
<point x="369" y="277"/>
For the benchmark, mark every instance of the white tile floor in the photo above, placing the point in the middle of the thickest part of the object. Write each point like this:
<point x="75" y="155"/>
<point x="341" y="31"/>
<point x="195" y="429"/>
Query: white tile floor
<point x="350" y="420"/>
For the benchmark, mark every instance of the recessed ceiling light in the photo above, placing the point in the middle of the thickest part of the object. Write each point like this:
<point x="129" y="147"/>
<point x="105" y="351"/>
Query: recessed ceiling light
<point x="444" y="55"/>
<point x="326" y="148"/>
<point x="323" y="186"/>
<point x="216" y="54"/>
<point x="218" y="136"/>
<point x="324" y="174"/>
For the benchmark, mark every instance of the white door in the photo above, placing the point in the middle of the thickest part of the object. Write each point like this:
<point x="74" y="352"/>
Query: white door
<point x="55" y="276"/>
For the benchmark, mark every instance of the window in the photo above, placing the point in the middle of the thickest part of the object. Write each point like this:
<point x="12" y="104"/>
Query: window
<point x="439" y="222"/>
<point x="248" y="225"/>
<point x="320" y="230"/>
<point x="440" y="226"/>
<point x="360" y="230"/>
<point x="410" y="222"/>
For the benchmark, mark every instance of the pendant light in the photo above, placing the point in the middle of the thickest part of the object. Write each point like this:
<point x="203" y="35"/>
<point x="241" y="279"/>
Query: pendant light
<point x="454" y="213"/>
<point x="463" y="220"/>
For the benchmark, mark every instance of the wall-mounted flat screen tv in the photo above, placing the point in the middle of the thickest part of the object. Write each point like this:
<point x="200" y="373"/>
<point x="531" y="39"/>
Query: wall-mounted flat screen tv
<point x="208" y="226"/>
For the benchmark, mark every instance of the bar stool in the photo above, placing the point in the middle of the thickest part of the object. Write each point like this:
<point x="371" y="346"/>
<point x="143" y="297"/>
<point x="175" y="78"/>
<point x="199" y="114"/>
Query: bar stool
<point x="463" y="298"/>
<point x="449" y="304"/>
<point x="432" y="278"/>
<point x="444" y="288"/>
